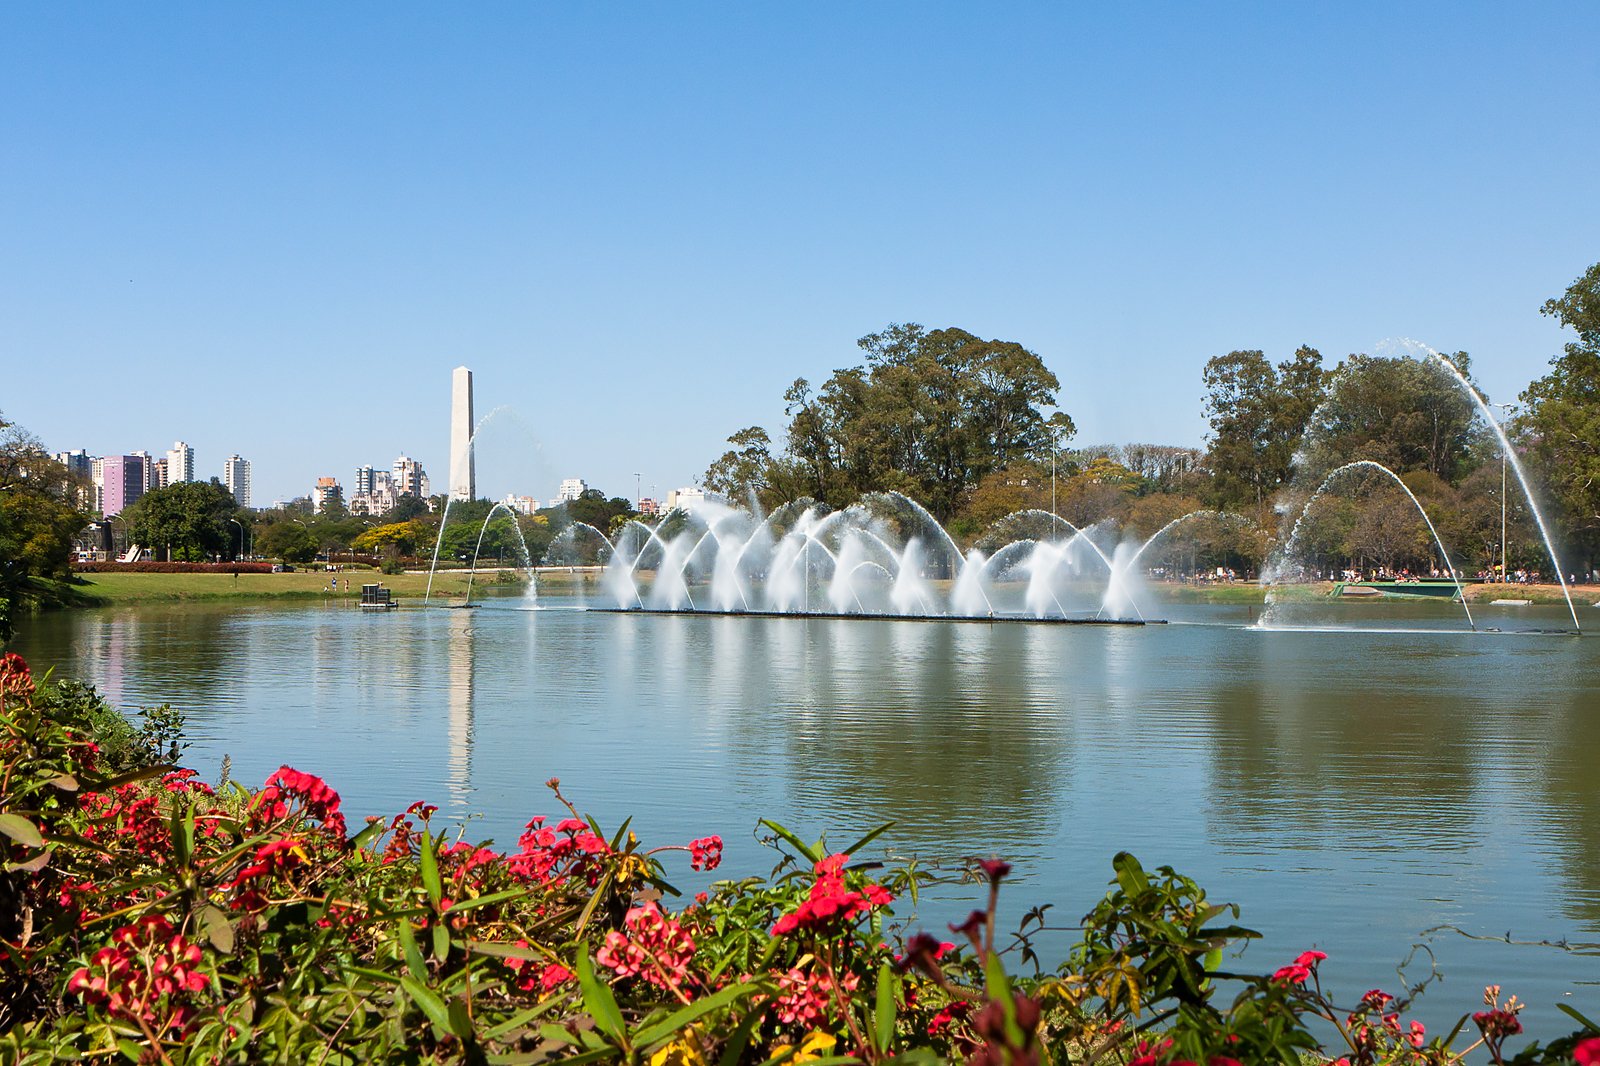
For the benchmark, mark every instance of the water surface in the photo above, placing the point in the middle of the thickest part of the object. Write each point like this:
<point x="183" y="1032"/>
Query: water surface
<point x="1349" y="788"/>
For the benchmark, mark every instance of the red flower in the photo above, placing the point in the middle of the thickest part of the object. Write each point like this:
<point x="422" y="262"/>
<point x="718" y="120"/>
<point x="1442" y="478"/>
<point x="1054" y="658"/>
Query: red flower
<point x="315" y="798"/>
<point x="655" y="947"/>
<point x="705" y="853"/>
<point x="831" y="900"/>
<point x="15" y="677"/>
<point x="994" y="868"/>
<point x="1587" y="1052"/>
<point x="147" y="975"/>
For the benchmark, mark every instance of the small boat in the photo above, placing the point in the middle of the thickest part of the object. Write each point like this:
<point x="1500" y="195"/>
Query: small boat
<point x="377" y="598"/>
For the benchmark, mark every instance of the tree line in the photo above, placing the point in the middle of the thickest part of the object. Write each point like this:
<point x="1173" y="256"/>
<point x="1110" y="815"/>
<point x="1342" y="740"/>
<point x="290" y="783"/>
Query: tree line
<point x="975" y="430"/>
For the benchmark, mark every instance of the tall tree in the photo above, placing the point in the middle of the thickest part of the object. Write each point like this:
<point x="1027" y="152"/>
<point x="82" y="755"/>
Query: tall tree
<point x="743" y="469"/>
<point x="186" y="522"/>
<point x="930" y="413"/>
<point x="39" y="516"/>
<point x="1405" y="413"/>
<point x="1562" y="422"/>
<point x="1258" y="414"/>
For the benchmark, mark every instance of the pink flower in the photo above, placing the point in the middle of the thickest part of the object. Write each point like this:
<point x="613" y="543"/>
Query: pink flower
<point x="705" y="853"/>
<point x="655" y="948"/>
<point x="831" y="900"/>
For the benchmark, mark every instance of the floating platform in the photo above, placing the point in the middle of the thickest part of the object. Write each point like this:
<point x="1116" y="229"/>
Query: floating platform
<point x="1007" y="619"/>
<point x="1429" y="588"/>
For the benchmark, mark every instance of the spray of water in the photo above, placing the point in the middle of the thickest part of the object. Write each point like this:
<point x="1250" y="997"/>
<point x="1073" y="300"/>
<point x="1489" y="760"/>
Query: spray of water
<point x="1511" y="456"/>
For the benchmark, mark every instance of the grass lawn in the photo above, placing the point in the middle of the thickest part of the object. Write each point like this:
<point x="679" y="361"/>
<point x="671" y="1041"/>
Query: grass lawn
<point x="116" y="588"/>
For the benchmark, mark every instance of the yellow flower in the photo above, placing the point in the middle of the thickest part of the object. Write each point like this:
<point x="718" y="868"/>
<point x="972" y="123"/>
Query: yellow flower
<point x="681" y="1052"/>
<point x="815" y="1045"/>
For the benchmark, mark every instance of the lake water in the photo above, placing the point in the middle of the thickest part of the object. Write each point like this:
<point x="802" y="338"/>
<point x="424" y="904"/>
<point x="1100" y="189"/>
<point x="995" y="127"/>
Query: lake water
<point x="1349" y="788"/>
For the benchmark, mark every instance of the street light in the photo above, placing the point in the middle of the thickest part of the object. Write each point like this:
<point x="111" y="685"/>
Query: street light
<point x="240" y="524"/>
<point x="1505" y="411"/>
<point x="638" y="490"/>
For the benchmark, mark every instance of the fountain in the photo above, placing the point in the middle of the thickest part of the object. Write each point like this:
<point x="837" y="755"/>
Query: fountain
<point x="805" y="559"/>
<point x="1290" y="546"/>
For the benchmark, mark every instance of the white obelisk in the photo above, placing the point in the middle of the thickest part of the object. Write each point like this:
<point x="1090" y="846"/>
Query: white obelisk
<point x="463" y="479"/>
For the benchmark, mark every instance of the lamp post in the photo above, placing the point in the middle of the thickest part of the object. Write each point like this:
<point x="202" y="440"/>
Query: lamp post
<point x="1505" y="412"/>
<point x="638" y="490"/>
<point x="240" y="524"/>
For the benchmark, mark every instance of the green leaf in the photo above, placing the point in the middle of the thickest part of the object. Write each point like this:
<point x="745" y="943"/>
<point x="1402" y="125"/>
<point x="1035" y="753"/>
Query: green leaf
<point x="884" y="1011"/>
<point x="64" y="782"/>
<point x="21" y="830"/>
<point x="429" y="863"/>
<point x="363" y="838"/>
<point x="106" y="784"/>
<point x="1572" y="1012"/>
<point x="598" y="999"/>
<point x="734" y="1050"/>
<point x="486" y="901"/>
<point x="999" y="988"/>
<point x="408" y="944"/>
<point x="806" y="850"/>
<point x="510" y="951"/>
<point x="32" y="866"/>
<point x="594" y="901"/>
<point x="441" y="940"/>
<point x="1130" y="875"/>
<point x="460" y="1020"/>
<point x="869" y="838"/>
<point x="430" y="1003"/>
<point x="372" y="975"/>
<point x="216" y="928"/>
<point x="672" y="1024"/>
<point x="520" y="1019"/>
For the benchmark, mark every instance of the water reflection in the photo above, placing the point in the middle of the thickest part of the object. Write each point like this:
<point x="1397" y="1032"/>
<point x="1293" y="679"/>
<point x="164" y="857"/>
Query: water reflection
<point x="458" y="681"/>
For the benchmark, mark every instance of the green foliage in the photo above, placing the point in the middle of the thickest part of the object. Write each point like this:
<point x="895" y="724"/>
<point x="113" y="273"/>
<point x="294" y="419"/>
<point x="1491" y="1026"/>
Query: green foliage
<point x="287" y="540"/>
<point x="1258" y="415"/>
<point x="930" y="414"/>
<point x="1561" y="425"/>
<point x="40" y="513"/>
<point x="185" y="522"/>
<point x="1405" y="413"/>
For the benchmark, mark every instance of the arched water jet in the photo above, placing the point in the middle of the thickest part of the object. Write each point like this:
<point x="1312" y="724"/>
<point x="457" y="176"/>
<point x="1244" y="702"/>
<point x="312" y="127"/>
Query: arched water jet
<point x="527" y="560"/>
<point x="1034" y="512"/>
<point x="1294" y="534"/>
<point x="1516" y="466"/>
<point x="1158" y="534"/>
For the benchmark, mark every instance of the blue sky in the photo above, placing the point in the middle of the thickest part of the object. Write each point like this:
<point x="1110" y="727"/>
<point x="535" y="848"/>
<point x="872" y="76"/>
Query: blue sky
<point x="274" y="229"/>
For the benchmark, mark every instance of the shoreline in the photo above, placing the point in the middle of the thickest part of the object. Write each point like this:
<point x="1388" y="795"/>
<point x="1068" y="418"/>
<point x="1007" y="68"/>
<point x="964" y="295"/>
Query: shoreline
<point x="107" y="589"/>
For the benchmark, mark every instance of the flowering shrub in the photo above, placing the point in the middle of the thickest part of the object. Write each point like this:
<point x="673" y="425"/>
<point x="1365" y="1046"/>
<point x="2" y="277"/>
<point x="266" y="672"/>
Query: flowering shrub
<point x="147" y="916"/>
<point x="149" y="567"/>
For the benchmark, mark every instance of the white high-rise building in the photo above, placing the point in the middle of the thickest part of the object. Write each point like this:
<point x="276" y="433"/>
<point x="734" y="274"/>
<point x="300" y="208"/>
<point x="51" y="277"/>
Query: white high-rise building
<point x="409" y="478"/>
<point x="236" y="476"/>
<point x="151" y="478"/>
<point x="572" y="488"/>
<point x="325" y="493"/>
<point x="364" y="481"/>
<point x="180" y="463"/>
<point x="463" y="480"/>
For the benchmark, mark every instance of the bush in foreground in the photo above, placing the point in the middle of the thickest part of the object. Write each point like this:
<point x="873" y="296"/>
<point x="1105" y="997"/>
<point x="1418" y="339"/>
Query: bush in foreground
<point x="145" y="915"/>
